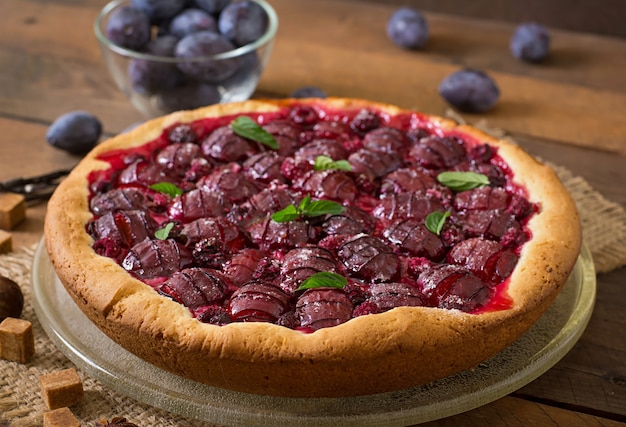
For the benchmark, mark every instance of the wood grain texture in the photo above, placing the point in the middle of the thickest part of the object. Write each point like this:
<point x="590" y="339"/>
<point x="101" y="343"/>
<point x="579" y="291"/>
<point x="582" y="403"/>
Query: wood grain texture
<point x="515" y="412"/>
<point x="578" y="97"/>
<point x="568" y="110"/>
<point x="593" y="16"/>
<point x="543" y="101"/>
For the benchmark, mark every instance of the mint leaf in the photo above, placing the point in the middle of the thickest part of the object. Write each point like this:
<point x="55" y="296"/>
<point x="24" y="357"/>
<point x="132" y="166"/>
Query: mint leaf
<point x="322" y="207"/>
<point x="167" y="188"/>
<point x="462" y="181"/>
<point x="307" y="208"/>
<point x="163" y="233"/>
<point x="323" y="163"/>
<point x="290" y="213"/>
<point x="304" y="203"/>
<point x="248" y="128"/>
<point x="435" y="221"/>
<point x="324" y="279"/>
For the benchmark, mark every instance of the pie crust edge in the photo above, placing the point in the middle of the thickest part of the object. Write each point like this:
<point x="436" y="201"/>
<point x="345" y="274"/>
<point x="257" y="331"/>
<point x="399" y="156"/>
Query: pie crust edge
<point x="368" y="354"/>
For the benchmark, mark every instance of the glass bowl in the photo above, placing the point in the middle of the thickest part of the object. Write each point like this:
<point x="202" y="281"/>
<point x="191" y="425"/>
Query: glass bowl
<point x="157" y="85"/>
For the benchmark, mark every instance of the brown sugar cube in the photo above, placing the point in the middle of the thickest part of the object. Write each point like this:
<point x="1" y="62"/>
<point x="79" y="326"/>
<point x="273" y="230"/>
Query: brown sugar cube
<point x="12" y="210"/>
<point x="61" y="417"/>
<point x="17" y="341"/>
<point x="6" y="242"/>
<point x="61" y="388"/>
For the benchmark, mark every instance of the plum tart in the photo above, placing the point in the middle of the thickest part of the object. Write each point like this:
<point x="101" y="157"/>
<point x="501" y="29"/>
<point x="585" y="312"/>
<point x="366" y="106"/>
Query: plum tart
<point x="311" y="248"/>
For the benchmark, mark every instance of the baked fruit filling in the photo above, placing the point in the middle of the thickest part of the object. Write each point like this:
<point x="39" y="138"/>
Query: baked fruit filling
<point x="309" y="216"/>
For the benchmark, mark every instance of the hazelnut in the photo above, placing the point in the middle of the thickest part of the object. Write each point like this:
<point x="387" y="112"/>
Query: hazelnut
<point x="11" y="299"/>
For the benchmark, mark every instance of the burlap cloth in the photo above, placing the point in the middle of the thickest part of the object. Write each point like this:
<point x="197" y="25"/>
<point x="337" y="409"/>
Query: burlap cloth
<point x="21" y="404"/>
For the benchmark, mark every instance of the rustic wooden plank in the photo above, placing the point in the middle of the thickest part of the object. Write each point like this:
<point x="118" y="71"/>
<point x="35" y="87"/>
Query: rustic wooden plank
<point x="593" y="374"/>
<point x="559" y="102"/>
<point x="513" y="412"/>
<point x="51" y="67"/>
<point x="24" y="152"/>
<point x="600" y="169"/>
<point x="548" y="110"/>
<point x="588" y="17"/>
<point x="358" y="61"/>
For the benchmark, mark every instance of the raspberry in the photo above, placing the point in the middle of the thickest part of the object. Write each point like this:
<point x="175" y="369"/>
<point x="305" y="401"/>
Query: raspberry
<point x="407" y="28"/>
<point x="481" y="153"/>
<point x="292" y="170"/>
<point x="199" y="167"/>
<point x="368" y="307"/>
<point x="304" y="115"/>
<point x="109" y="248"/>
<point x="352" y="144"/>
<point x="267" y="269"/>
<point x="364" y="122"/>
<point x="366" y="185"/>
<point x="332" y="243"/>
<point x="356" y="293"/>
<point x="417" y="265"/>
<point x="519" y="206"/>
<point x="288" y="320"/>
<point x="513" y="237"/>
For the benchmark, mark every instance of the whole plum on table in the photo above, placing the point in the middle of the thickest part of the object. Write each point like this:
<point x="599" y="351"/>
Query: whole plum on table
<point x="128" y="27"/>
<point x="309" y="92"/>
<point x="206" y="43"/>
<point x="76" y="132"/>
<point x="11" y="299"/>
<point x="243" y="22"/>
<point x="470" y="90"/>
<point x="408" y="28"/>
<point x="530" y="42"/>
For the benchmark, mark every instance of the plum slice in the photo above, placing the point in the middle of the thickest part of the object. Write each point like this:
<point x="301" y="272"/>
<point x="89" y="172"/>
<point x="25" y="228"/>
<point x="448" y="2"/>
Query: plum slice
<point x="435" y="152"/>
<point x="487" y="259"/>
<point x="415" y="205"/>
<point x="328" y="184"/>
<point x="322" y="308"/>
<point x="124" y="227"/>
<point x="224" y="145"/>
<point x="157" y="258"/>
<point x="195" y="287"/>
<point x="125" y="198"/>
<point x="413" y="238"/>
<point x="369" y="258"/>
<point x="396" y="294"/>
<point x="197" y="204"/>
<point x="406" y="180"/>
<point x="178" y="157"/>
<point x="301" y="263"/>
<point x="453" y="287"/>
<point x="258" y="302"/>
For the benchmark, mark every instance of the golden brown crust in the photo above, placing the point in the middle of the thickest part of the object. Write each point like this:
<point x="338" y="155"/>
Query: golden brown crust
<point x="411" y="346"/>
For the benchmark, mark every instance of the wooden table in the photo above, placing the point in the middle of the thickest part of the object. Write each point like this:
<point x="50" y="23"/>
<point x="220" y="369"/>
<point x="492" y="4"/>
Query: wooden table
<point x="569" y="110"/>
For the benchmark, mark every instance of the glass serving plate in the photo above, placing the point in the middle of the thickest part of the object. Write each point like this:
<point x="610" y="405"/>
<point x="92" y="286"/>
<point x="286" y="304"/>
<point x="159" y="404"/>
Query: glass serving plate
<point x="519" y="364"/>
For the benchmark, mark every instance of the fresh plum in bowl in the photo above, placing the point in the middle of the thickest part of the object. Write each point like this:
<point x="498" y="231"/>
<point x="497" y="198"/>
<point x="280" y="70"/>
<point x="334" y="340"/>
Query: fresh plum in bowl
<point x="177" y="55"/>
